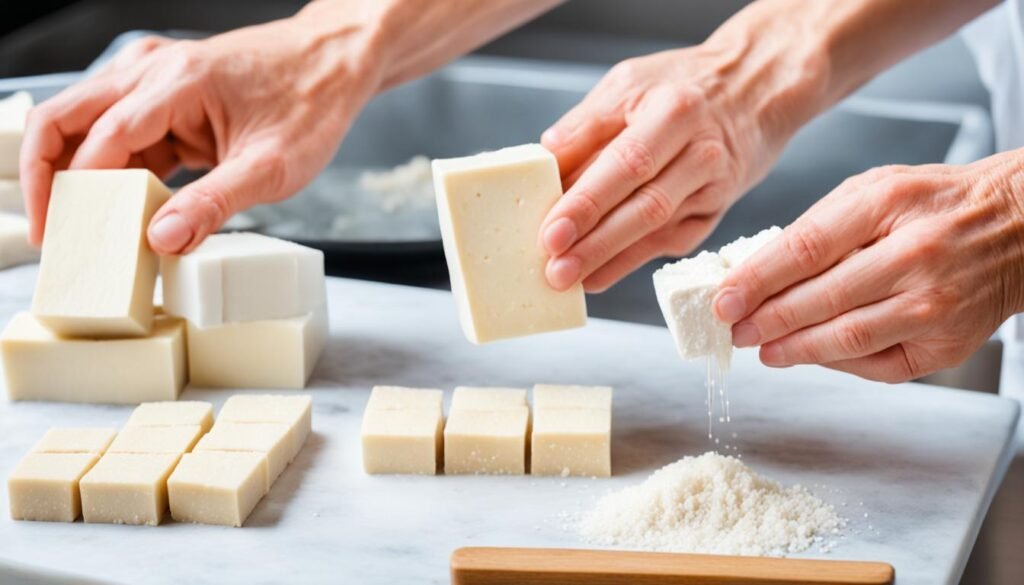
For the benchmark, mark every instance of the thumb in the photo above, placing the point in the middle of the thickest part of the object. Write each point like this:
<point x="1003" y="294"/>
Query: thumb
<point x="201" y="207"/>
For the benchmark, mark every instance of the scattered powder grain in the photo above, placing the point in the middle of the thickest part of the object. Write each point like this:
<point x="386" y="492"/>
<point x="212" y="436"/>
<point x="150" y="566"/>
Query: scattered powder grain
<point x="711" y="504"/>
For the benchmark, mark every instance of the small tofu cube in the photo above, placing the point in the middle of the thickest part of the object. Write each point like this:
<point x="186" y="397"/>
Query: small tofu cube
<point x="685" y="291"/>
<point x="76" y="440"/>
<point x="14" y="246"/>
<point x="549" y="396"/>
<point x="486" y="442"/>
<point x="13" y="115"/>
<point x="44" y="486"/>
<point x="97" y="272"/>
<point x="272" y="440"/>
<point x="41" y="365"/>
<point x="217" y="487"/>
<point x="739" y="251"/>
<point x="127" y="488"/>
<point x="294" y="411"/>
<point x="402" y="441"/>
<point x="402" y="398"/>
<point x="476" y="398"/>
<point x="491" y="207"/>
<point x="571" y="442"/>
<point x="177" y="439"/>
<point x="241" y="277"/>
<point x="184" y="412"/>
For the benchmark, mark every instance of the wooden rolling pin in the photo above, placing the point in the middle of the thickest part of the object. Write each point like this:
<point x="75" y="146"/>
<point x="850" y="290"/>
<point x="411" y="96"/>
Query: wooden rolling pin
<point x="553" y="566"/>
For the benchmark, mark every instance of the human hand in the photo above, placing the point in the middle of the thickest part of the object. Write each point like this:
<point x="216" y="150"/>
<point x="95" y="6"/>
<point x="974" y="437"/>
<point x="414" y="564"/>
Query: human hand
<point x="897" y="273"/>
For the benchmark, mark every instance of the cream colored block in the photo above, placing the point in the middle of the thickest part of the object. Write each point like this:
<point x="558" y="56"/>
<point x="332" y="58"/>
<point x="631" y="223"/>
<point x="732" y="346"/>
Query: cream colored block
<point x="272" y="440"/>
<point x="217" y="487"/>
<point x="127" y="488"/>
<point x="571" y="442"/>
<point x="257" y="354"/>
<point x="491" y="207"/>
<point x="184" y="412"/>
<point x="403" y="398"/>
<point x="44" y="486"/>
<point x="547" y="396"/>
<point x="477" y="398"/>
<point x="94" y="440"/>
<point x="13" y="115"/>
<point x="177" y="439"/>
<point x="14" y="246"/>
<point x="97" y="272"/>
<point x="294" y="411"/>
<point x="402" y="441"/>
<point x="39" y="365"/>
<point x="482" y="442"/>
<point x="11" y="200"/>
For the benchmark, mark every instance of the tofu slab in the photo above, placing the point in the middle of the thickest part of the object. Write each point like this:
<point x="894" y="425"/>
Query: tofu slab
<point x="272" y="440"/>
<point x="571" y="442"/>
<point x="488" y="398"/>
<point x="94" y="440"/>
<point x="402" y="441"/>
<point x="486" y="442"/>
<point x="296" y="412"/>
<point x="169" y="439"/>
<point x="168" y="413"/>
<point x="45" y="486"/>
<point x="217" y="487"/>
<point x="127" y="488"/>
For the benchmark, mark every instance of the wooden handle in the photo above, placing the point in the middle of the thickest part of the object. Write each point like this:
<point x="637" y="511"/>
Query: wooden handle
<point x="553" y="566"/>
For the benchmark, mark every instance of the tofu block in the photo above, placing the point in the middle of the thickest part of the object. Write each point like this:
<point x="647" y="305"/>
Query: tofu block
<point x="127" y="488"/>
<point x="570" y="441"/>
<point x="13" y="115"/>
<point x="242" y="277"/>
<point x="257" y="354"/>
<point x="94" y="440"/>
<point x="11" y="200"/>
<point x="97" y="272"/>
<point x="685" y="290"/>
<point x="402" y="441"/>
<point x="294" y="411"/>
<point x="486" y="442"/>
<point x="402" y="398"/>
<point x="40" y="365"/>
<point x="217" y="487"/>
<point x="272" y="440"/>
<point x="551" y="396"/>
<point x="176" y="439"/>
<point x="490" y="399"/>
<point x="491" y="207"/>
<point x="14" y="246"/>
<point x="44" y="486"/>
<point x="739" y="251"/>
<point x="161" y="414"/>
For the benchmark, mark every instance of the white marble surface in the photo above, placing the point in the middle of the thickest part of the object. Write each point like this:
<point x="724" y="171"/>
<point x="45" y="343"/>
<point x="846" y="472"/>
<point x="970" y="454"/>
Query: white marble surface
<point x="924" y="461"/>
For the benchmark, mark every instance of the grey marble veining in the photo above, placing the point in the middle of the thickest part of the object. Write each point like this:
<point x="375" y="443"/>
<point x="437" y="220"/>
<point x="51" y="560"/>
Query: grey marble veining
<point x="920" y="462"/>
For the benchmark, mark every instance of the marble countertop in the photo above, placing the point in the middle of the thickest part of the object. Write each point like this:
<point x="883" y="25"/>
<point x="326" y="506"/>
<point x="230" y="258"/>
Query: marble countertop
<point x="913" y="467"/>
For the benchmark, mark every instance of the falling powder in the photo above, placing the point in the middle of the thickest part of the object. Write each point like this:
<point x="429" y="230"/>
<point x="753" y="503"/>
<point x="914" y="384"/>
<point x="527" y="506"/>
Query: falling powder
<point x="711" y="504"/>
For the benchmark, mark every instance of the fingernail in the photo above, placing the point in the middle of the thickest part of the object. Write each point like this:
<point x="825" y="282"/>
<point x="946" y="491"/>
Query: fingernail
<point x="564" y="272"/>
<point x="730" y="306"/>
<point x="773" y="355"/>
<point x="171" y="233"/>
<point x="559" y="236"/>
<point x="552" y="137"/>
<point x="745" y="335"/>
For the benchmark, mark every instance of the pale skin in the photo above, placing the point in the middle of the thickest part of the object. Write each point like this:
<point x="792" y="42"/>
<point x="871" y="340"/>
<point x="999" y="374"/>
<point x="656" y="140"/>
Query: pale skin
<point x="897" y="273"/>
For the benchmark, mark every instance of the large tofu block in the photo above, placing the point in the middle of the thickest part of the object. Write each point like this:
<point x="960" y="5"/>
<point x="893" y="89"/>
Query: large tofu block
<point x="217" y="487"/>
<point x="97" y="272"/>
<point x="44" y="486"/>
<point x="486" y="442"/>
<point x="685" y="290"/>
<point x="403" y="398"/>
<point x="571" y="442"/>
<point x="127" y="488"/>
<point x="491" y="207"/>
<point x="94" y="440"/>
<point x="402" y="441"/>
<point x="40" y="365"/>
<point x="257" y="354"/>
<point x="551" y="396"/>
<point x="163" y="414"/>
<point x="488" y="398"/>
<point x="272" y="440"/>
<point x="14" y="246"/>
<point x="13" y="115"/>
<point x="296" y="412"/>
<point x="11" y="200"/>
<point x="241" y="277"/>
<point x="176" y="439"/>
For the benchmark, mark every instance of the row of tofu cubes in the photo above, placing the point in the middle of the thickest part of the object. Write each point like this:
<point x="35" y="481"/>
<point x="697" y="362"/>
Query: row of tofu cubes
<point x="166" y="457"/>
<point x="489" y="431"/>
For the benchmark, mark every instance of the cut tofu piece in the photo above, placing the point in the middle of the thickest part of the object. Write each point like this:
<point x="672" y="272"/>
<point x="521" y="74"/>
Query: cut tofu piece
<point x="217" y="487"/>
<point x="272" y="440"/>
<point x="97" y="272"/>
<point x="257" y="354"/>
<point x="13" y="115"/>
<point x="296" y="412"/>
<point x="569" y="441"/>
<point x="491" y="207"/>
<point x="176" y="439"/>
<point x="490" y="399"/>
<point x="11" y="200"/>
<point x="161" y="414"/>
<point x="739" y="251"/>
<point x="486" y="442"/>
<point x="76" y="440"/>
<point x="44" y="486"/>
<point x="402" y="441"/>
<point x="403" y="398"/>
<point x="685" y="290"/>
<point x="127" y="488"/>
<point x="14" y="246"/>
<point x="242" y="277"/>
<point x="548" y="396"/>
<point x="40" y="365"/>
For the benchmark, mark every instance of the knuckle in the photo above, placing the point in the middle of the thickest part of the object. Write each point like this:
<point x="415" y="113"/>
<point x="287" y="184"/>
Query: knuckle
<point x="655" y="205"/>
<point x="711" y="154"/>
<point x="781" y="317"/>
<point x="636" y="159"/>
<point x="852" y="337"/>
<point x="626" y="70"/>
<point x="214" y="204"/>
<point x="584" y="207"/>
<point x="273" y="169"/>
<point x="836" y="297"/>
<point x="111" y="127"/>
<point x="808" y="246"/>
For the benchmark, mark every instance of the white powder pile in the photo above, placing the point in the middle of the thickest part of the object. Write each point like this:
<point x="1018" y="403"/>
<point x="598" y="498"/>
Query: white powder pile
<point x="711" y="504"/>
